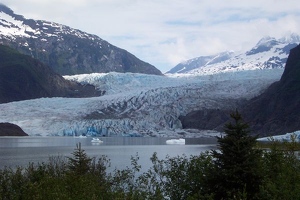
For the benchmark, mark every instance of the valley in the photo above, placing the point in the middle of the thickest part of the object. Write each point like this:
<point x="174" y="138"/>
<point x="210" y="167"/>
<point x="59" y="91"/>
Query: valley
<point x="59" y="81"/>
<point x="136" y="104"/>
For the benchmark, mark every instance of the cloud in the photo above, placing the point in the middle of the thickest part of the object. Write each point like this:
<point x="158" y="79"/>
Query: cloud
<point x="165" y="32"/>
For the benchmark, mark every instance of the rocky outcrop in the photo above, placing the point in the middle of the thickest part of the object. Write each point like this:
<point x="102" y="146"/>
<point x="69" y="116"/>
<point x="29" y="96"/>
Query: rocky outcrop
<point x="8" y="129"/>
<point x="66" y="50"/>
<point x="22" y="78"/>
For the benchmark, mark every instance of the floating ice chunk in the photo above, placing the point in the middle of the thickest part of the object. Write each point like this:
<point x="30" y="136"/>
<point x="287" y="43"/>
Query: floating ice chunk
<point x="81" y="136"/>
<point x="96" y="140"/>
<point x="176" y="141"/>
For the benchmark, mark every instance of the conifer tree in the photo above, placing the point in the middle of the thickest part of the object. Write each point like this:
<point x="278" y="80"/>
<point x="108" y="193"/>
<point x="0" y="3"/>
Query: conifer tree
<point x="237" y="162"/>
<point x="80" y="162"/>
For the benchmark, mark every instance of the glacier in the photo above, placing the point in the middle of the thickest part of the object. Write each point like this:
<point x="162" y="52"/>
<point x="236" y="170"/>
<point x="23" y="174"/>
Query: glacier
<point x="288" y="137"/>
<point x="136" y="104"/>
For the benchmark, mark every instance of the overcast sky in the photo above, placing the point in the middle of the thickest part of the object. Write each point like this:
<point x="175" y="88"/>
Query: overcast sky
<point x="166" y="32"/>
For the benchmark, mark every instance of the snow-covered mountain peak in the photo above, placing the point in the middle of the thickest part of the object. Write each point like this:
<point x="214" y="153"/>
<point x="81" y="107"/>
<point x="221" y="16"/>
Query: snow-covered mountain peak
<point x="11" y="24"/>
<point x="290" y="38"/>
<point x="65" y="49"/>
<point x="16" y="25"/>
<point x="268" y="53"/>
<point x="7" y="10"/>
<point x="201" y="61"/>
<point x="266" y="41"/>
<point x="221" y="57"/>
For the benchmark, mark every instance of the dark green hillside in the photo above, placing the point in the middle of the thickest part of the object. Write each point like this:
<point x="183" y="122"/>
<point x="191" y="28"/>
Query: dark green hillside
<point x="22" y="77"/>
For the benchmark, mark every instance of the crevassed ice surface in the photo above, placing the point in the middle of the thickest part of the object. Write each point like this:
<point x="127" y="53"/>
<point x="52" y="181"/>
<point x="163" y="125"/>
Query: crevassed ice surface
<point x="135" y="104"/>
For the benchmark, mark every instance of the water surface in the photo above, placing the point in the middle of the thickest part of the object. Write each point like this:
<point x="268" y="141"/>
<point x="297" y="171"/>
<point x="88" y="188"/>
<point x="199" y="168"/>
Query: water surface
<point x="20" y="151"/>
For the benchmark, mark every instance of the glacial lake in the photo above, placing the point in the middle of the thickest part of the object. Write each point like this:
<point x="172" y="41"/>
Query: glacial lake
<point x="20" y="151"/>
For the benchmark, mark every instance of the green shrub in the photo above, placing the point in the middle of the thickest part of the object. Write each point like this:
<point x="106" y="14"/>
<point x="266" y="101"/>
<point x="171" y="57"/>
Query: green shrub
<point x="237" y="170"/>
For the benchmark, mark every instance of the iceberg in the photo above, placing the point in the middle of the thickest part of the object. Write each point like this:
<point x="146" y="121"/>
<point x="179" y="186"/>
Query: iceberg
<point x="81" y="136"/>
<point x="176" y="141"/>
<point x="96" y="140"/>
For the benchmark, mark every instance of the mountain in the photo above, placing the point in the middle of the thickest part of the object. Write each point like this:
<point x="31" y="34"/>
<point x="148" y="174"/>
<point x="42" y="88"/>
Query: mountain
<point x="273" y="112"/>
<point x="276" y="110"/>
<point x="195" y="63"/>
<point x="23" y="77"/>
<point x="66" y="50"/>
<point x="268" y="53"/>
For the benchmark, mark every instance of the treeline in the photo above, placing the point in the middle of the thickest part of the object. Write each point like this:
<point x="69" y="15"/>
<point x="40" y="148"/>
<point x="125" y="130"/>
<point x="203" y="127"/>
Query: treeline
<point x="239" y="169"/>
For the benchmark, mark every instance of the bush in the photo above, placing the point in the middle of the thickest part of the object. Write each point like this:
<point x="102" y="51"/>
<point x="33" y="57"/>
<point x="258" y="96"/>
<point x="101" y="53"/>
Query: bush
<point x="237" y="170"/>
<point x="281" y="171"/>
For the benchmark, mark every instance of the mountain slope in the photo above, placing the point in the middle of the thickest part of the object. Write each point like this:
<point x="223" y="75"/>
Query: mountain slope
<point x="186" y="67"/>
<point x="22" y="77"/>
<point x="67" y="51"/>
<point x="276" y="110"/>
<point x="268" y="53"/>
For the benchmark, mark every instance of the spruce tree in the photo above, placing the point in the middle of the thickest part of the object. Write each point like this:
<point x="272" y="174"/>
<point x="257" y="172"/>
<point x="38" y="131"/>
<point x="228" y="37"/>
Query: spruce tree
<point x="237" y="162"/>
<point x="80" y="162"/>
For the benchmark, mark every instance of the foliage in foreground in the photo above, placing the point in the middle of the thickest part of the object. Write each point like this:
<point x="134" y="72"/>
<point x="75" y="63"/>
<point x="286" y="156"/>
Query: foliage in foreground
<point x="237" y="170"/>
